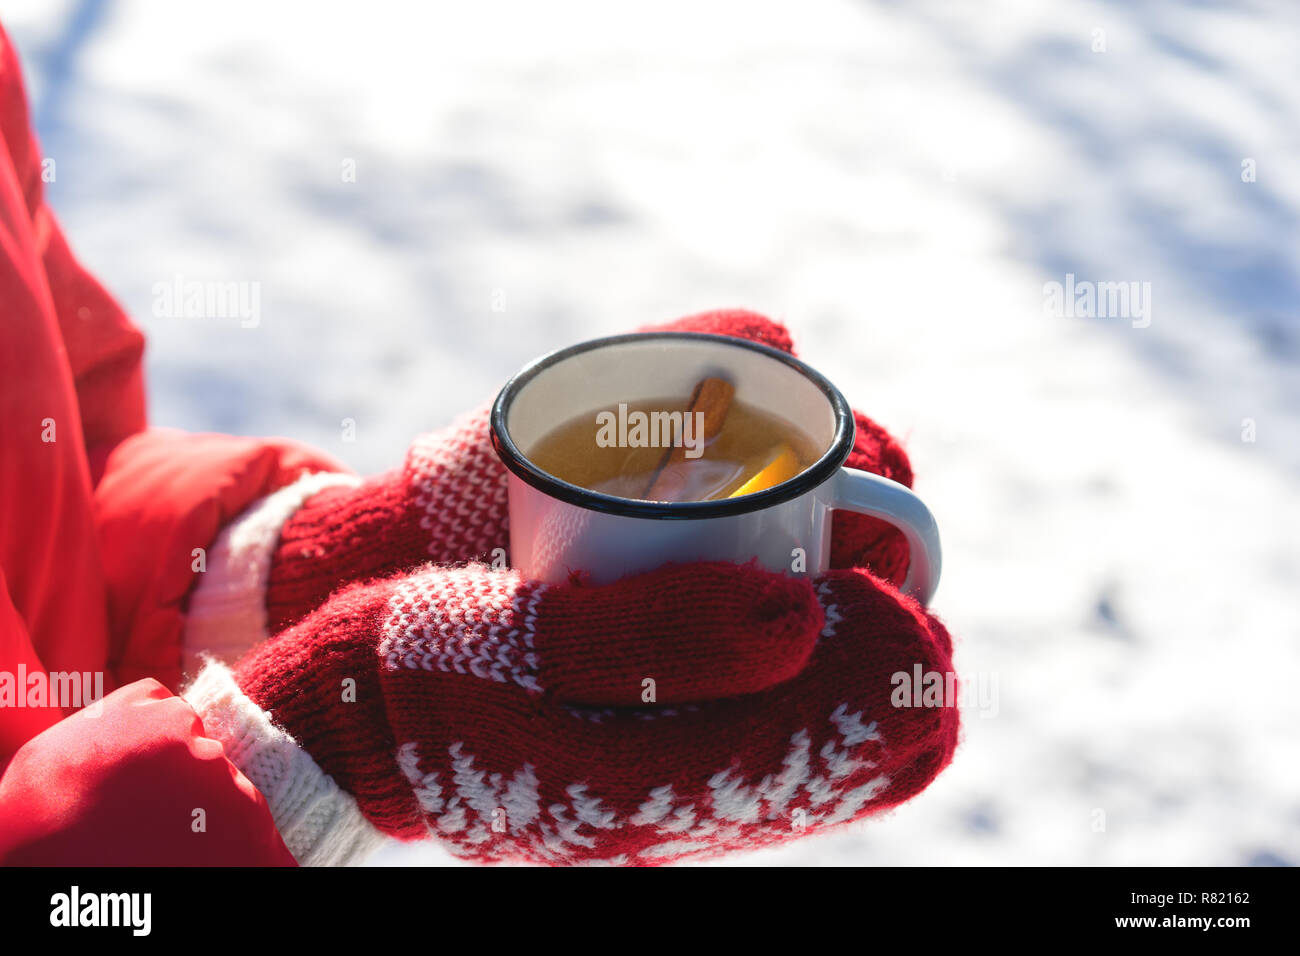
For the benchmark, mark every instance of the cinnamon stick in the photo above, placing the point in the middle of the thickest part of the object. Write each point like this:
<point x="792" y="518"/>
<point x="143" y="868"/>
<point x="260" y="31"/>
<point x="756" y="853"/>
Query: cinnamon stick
<point x="712" y="396"/>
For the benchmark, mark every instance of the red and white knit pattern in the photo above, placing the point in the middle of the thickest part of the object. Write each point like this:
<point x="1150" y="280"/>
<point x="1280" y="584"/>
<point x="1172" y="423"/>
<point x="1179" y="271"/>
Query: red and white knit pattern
<point x="830" y="609"/>
<point x="458" y="485"/>
<point x="463" y="621"/>
<point x="487" y="816"/>
<point x="505" y="717"/>
<point x="476" y="677"/>
<point x="446" y="503"/>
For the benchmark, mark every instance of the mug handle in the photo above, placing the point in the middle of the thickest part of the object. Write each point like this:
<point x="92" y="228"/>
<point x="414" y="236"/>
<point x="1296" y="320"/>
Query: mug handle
<point x="868" y="494"/>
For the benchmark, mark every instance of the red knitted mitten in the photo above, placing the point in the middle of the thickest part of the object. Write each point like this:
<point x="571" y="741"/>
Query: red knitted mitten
<point x="861" y="541"/>
<point x="447" y="503"/>
<point x="690" y="710"/>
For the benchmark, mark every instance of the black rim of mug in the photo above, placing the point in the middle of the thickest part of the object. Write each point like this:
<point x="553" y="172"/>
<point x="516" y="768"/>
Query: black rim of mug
<point x="820" y="471"/>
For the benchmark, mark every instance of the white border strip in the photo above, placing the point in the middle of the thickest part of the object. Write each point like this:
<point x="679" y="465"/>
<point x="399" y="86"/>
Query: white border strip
<point x="227" y="611"/>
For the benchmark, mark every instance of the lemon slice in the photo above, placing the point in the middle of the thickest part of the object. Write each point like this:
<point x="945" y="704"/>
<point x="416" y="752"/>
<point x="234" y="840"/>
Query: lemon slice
<point x="784" y="466"/>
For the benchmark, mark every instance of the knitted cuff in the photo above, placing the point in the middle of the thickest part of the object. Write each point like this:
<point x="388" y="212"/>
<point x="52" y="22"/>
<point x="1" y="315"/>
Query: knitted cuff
<point x="338" y="537"/>
<point x="319" y="822"/>
<point x="446" y="504"/>
<point x="227" y="609"/>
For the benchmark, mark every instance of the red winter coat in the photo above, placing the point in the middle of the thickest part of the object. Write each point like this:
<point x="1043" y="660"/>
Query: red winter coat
<point x="99" y="517"/>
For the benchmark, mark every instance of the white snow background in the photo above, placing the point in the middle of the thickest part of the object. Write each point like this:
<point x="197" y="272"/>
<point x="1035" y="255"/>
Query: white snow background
<point x="896" y="181"/>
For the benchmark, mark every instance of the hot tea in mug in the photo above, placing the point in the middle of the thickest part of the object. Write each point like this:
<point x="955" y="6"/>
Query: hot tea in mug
<point x="706" y="446"/>
<point x="604" y="482"/>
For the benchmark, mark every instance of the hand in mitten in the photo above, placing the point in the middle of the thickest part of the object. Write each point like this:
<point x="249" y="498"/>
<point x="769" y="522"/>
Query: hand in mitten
<point x="447" y="503"/>
<point x="694" y="709"/>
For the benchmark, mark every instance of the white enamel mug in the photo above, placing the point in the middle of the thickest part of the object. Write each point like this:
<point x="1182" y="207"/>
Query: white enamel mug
<point x="557" y="528"/>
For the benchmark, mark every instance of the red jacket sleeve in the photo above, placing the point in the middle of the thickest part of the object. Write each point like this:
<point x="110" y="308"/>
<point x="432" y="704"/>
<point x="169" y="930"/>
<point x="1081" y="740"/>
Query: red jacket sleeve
<point x="164" y="494"/>
<point x="157" y="495"/>
<point x="97" y="559"/>
<point x="103" y="349"/>
<point x="18" y="657"/>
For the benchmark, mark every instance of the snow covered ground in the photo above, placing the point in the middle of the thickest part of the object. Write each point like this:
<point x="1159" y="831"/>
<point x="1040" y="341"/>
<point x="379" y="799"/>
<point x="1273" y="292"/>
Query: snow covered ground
<point x="897" y="181"/>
